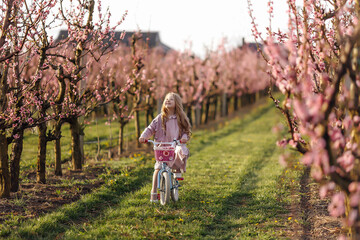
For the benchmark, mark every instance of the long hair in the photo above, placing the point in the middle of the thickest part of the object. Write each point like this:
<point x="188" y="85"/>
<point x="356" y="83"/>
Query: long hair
<point x="182" y="119"/>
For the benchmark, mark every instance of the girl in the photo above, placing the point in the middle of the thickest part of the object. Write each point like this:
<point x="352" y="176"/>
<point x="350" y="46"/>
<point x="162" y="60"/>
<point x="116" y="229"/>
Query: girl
<point x="172" y="123"/>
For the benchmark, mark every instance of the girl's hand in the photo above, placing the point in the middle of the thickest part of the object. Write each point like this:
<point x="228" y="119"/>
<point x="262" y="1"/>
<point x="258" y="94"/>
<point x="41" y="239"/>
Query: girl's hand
<point x="142" y="140"/>
<point x="183" y="140"/>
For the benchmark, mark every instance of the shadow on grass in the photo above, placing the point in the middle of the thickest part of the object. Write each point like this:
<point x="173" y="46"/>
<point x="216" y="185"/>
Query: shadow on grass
<point x="51" y="226"/>
<point x="242" y="204"/>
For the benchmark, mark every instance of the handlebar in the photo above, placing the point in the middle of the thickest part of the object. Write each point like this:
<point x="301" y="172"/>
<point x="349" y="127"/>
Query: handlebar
<point x="174" y="142"/>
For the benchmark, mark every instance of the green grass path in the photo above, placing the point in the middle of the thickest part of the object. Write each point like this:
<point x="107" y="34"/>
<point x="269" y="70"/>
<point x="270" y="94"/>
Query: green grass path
<point x="234" y="189"/>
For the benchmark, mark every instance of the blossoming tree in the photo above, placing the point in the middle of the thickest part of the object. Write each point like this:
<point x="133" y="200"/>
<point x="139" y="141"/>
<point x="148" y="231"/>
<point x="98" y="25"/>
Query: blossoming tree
<point x="315" y="64"/>
<point x="35" y="77"/>
<point x="20" y="23"/>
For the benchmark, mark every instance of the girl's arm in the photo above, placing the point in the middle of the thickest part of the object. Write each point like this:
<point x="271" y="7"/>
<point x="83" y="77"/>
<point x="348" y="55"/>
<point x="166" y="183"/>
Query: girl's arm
<point x="150" y="130"/>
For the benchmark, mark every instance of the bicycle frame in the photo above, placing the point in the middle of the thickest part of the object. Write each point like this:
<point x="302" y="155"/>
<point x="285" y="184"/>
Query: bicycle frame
<point x="164" y="168"/>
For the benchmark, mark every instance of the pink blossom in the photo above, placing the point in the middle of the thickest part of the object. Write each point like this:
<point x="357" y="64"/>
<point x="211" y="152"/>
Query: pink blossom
<point x="315" y="105"/>
<point x="354" y="199"/>
<point x="324" y="189"/>
<point x="342" y="237"/>
<point x="337" y="205"/>
<point x="300" y="110"/>
<point x="337" y="138"/>
<point x="317" y="173"/>
<point x="347" y="161"/>
<point x="352" y="217"/>
<point x="282" y="143"/>
<point x="354" y="186"/>
<point x="292" y="143"/>
<point x="356" y="119"/>
<point x="353" y="146"/>
<point x="297" y="136"/>
<point x="307" y="159"/>
<point x="30" y="121"/>
<point x="347" y="122"/>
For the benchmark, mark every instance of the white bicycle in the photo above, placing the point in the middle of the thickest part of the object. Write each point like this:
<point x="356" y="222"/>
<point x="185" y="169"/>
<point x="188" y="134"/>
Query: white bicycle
<point x="168" y="183"/>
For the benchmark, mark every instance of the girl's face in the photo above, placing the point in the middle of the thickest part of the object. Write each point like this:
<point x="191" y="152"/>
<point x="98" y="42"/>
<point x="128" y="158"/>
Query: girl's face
<point x="170" y="102"/>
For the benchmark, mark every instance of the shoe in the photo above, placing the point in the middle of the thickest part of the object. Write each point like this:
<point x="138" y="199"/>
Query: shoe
<point x="177" y="175"/>
<point x="154" y="200"/>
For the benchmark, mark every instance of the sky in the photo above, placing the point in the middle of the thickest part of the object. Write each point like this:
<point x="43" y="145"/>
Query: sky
<point x="196" y="24"/>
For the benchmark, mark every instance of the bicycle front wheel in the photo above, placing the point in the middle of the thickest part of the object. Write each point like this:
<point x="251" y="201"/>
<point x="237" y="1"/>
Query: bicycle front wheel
<point x="175" y="190"/>
<point x="164" y="188"/>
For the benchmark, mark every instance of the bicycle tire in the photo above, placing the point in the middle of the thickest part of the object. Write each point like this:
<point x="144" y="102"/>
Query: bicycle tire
<point x="175" y="190"/>
<point x="164" y="188"/>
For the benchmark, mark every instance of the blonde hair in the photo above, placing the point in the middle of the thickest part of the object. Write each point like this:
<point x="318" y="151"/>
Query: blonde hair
<point x="182" y="119"/>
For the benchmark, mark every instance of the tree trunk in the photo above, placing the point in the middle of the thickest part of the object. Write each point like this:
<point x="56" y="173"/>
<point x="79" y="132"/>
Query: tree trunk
<point x="152" y="112"/>
<point x="76" y="156"/>
<point x="110" y="155"/>
<point x="201" y="113"/>
<point x="121" y="138"/>
<point x="81" y="137"/>
<point x="159" y="105"/>
<point x="243" y="100"/>
<point x="197" y="115"/>
<point x="17" y="149"/>
<point x="253" y="98"/>
<point x="207" y="108"/>
<point x="5" y="179"/>
<point x="223" y="105"/>
<point x="189" y="114"/>
<point x="148" y="110"/>
<point x="227" y="102"/>
<point x="57" y="149"/>
<point x="80" y="121"/>
<point x="137" y="127"/>
<point x="215" y="107"/>
<point x="147" y="117"/>
<point x="97" y="157"/>
<point x="236" y="100"/>
<point x="41" y="157"/>
<point x="106" y="110"/>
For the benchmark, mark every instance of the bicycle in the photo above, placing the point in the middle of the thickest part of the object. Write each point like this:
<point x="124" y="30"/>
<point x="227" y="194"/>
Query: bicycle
<point x="168" y="184"/>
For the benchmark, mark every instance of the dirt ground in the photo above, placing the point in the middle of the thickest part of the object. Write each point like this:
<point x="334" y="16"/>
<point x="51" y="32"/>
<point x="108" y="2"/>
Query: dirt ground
<point x="33" y="200"/>
<point x="312" y="212"/>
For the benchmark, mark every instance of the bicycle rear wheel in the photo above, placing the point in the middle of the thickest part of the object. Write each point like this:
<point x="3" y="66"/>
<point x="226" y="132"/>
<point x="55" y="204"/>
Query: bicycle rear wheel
<point x="164" y="188"/>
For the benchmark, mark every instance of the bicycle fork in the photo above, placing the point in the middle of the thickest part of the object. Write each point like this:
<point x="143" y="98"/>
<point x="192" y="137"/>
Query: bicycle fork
<point x="177" y="185"/>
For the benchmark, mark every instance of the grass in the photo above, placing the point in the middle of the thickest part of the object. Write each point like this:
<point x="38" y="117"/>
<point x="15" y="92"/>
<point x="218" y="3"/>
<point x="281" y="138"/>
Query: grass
<point x="234" y="189"/>
<point x="93" y="130"/>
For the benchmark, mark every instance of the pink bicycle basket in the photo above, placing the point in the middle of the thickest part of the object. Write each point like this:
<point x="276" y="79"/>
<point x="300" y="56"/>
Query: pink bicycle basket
<point x="164" y="153"/>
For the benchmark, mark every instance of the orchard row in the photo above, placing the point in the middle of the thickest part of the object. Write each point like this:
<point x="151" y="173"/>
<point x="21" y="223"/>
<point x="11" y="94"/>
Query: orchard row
<point x="48" y="83"/>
